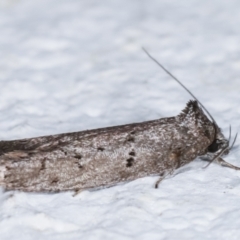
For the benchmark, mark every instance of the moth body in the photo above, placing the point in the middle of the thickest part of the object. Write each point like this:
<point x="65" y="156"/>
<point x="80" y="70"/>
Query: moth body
<point x="107" y="156"/>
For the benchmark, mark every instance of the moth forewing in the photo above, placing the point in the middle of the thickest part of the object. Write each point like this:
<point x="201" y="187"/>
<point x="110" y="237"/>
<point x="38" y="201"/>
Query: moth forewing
<point x="107" y="156"/>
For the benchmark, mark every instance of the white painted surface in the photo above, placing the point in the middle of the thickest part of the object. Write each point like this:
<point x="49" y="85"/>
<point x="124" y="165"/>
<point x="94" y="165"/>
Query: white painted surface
<point x="75" y="65"/>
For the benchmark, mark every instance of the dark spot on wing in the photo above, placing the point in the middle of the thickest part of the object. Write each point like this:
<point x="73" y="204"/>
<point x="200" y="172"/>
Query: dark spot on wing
<point x="101" y="149"/>
<point x="43" y="164"/>
<point x="130" y="139"/>
<point x="130" y="162"/>
<point x="78" y="156"/>
<point x="132" y="153"/>
<point x="79" y="165"/>
<point x="54" y="181"/>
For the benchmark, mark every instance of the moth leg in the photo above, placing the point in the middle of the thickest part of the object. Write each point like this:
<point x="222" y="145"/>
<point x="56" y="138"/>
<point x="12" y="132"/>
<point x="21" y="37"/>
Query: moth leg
<point x="77" y="192"/>
<point x="226" y="164"/>
<point x="158" y="181"/>
<point x="162" y="176"/>
<point x="174" y="158"/>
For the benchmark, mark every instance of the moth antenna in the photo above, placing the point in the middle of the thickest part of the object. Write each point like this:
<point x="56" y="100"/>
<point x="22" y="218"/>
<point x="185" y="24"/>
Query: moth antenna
<point x="230" y="132"/>
<point x="233" y="141"/>
<point x="170" y="74"/>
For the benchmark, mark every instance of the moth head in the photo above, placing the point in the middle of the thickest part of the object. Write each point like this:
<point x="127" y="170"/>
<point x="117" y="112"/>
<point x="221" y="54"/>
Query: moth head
<point x="219" y="146"/>
<point x="219" y="143"/>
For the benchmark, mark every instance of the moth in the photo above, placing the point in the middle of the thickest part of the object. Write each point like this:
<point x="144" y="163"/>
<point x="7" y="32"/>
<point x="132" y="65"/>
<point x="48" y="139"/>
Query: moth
<point x="107" y="156"/>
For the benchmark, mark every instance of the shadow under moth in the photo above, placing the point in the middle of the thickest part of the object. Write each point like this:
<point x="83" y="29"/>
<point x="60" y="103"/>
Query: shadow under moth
<point x="107" y="156"/>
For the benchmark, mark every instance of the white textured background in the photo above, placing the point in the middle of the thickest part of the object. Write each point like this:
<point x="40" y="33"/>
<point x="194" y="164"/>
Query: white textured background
<point x="73" y="65"/>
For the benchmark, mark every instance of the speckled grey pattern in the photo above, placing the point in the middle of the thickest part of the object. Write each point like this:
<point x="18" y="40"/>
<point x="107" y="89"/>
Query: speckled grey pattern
<point x="104" y="157"/>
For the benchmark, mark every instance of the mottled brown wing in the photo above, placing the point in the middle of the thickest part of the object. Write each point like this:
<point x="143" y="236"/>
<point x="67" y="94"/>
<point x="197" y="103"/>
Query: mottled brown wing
<point x="107" y="156"/>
